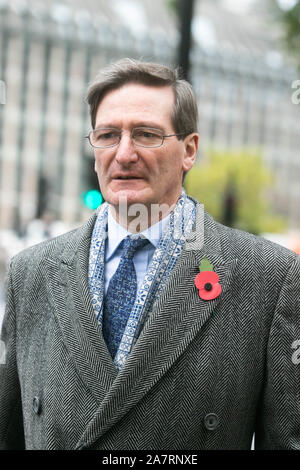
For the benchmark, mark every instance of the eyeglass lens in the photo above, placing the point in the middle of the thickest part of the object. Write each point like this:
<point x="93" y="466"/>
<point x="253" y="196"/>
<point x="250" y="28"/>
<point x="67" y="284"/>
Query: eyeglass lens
<point x="143" y="136"/>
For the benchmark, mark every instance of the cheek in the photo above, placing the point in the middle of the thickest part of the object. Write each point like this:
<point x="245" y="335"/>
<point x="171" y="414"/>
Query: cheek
<point x="166" y="163"/>
<point x="173" y="166"/>
<point x="95" y="165"/>
<point x="99" y="165"/>
<point x="96" y="159"/>
<point x="173" y="158"/>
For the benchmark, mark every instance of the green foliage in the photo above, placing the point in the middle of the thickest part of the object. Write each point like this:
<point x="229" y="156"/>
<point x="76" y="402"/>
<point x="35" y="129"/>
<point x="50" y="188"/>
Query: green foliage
<point x="173" y="5"/>
<point x="289" y="19"/>
<point x="248" y="179"/>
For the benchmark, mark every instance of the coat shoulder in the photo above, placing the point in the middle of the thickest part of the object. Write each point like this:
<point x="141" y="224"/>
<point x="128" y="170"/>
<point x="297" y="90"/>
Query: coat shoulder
<point x="256" y="249"/>
<point x="28" y="267"/>
<point x="47" y="249"/>
<point x="55" y="248"/>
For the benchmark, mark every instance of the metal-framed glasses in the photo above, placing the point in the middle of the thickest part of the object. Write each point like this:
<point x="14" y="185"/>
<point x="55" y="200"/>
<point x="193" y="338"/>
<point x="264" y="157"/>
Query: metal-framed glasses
<point x="105" y="137"/>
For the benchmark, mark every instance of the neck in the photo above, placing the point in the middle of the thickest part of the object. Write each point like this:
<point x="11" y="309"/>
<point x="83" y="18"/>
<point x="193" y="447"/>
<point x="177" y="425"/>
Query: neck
<point x="139" y="217"/>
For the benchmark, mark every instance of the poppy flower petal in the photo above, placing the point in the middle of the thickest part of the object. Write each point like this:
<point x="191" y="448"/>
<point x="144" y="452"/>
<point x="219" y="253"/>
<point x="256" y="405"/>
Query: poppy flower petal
<point x="206" y="277"/>
<point x="198" y="281"/>
<point x="211" y="294"/>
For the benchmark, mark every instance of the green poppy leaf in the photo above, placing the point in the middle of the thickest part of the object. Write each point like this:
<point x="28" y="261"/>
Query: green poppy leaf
<point x="205" y="265"/>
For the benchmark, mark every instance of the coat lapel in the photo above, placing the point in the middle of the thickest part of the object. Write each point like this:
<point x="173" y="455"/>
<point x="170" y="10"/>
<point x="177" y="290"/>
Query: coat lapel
<point x="176" y="318"/>
<point x="67" y="281"/>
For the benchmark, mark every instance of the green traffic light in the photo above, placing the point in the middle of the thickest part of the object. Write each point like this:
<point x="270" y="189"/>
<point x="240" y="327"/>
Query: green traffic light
<point x="93" y="199"/>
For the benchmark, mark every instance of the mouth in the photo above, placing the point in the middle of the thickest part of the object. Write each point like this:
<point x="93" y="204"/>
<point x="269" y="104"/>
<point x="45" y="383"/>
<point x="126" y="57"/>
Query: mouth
<point x="126" y="178"/>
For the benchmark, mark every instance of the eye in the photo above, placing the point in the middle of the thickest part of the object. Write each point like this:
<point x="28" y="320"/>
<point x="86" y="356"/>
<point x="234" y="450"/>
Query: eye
<point x="106" y="135"/>
<point x="146" y="134"/>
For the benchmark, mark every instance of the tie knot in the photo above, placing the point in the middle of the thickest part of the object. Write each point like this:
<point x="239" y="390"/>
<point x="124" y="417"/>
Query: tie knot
<point x="131" y="245"/>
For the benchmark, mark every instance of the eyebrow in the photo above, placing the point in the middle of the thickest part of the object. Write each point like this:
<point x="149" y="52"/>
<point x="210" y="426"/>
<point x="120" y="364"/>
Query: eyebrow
<point x="137" y="124"/>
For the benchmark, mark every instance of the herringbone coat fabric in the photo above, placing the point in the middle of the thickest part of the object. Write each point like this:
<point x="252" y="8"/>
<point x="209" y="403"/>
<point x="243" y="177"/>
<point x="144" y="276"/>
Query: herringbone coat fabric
<point x="202" y="375"/>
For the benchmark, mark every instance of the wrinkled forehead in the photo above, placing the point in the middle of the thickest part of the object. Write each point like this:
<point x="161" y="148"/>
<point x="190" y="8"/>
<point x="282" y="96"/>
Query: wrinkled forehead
<point x="146" y="87"/>
<point x="135" y="101"/>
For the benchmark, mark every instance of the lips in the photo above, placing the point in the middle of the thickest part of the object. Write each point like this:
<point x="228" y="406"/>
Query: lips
<point x="126" y="177"/>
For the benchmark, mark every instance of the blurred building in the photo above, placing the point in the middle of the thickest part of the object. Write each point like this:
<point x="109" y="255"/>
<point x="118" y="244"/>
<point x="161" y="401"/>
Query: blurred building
<point x="50" y="51"/>
<point x="48" y="54"/>
<point x="244" y="83"/>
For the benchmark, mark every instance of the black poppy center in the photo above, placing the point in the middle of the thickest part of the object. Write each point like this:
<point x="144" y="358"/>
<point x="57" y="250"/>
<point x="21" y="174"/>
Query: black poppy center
<point x="208" y="286"/>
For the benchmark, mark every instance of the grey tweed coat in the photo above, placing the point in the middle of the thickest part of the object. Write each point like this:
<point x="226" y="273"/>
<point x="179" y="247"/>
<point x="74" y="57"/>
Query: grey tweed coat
<point x="202" y="375"/>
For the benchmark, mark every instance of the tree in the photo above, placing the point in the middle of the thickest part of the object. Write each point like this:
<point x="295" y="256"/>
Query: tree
<point x="233" y="188"/>
<point x="287" y="14"/>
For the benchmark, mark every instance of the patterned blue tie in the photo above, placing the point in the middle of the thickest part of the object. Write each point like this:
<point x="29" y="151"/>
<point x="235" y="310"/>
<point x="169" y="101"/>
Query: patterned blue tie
<point x="121" y="294"/>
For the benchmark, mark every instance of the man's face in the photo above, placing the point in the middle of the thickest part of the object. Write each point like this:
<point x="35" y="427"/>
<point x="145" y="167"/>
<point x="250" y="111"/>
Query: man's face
<point x="153" y="175"/>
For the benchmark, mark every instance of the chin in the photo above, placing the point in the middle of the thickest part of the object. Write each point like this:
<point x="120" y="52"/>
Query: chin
<point x="129" y="197"/>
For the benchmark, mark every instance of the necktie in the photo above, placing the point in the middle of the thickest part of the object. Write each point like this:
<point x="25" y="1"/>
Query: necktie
<point x="121" y="294"/>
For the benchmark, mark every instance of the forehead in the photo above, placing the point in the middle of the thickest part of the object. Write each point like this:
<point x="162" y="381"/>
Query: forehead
<point x="134" y="103"/>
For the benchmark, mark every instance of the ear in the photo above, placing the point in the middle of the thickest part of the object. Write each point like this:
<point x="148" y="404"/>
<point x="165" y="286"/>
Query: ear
<point x="191" y="143"/>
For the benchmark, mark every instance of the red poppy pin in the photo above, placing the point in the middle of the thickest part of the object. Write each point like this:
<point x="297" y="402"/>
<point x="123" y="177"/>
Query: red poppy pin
<point x="207" y="281"/>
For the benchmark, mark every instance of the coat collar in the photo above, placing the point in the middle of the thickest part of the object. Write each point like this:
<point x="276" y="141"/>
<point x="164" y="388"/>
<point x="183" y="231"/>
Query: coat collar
<point x="67" y="284"/>
<point x="176" y="318"/>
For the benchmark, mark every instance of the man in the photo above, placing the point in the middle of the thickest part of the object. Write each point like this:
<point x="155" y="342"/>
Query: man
<point x="159" y="330"/>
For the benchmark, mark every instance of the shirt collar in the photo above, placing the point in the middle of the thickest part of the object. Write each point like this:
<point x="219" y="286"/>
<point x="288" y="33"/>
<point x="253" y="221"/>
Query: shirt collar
<point x="117" y="233"/>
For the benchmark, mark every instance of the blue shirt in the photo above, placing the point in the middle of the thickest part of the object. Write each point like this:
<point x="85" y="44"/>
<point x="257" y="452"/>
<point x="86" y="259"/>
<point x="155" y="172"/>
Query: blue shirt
<point x="141" y="259"/>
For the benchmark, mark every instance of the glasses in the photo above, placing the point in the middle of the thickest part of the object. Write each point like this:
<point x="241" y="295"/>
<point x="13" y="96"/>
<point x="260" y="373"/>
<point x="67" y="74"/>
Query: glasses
<point x="105" y="137"/>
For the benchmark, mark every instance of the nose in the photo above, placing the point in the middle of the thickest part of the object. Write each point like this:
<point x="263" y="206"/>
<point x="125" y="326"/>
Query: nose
<point x="126" y="150"/>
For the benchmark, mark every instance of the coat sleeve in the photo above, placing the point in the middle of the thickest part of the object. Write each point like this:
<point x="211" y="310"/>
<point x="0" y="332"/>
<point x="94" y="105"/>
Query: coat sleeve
<point x="11" y="420"/>
<point x="278" y="417"/>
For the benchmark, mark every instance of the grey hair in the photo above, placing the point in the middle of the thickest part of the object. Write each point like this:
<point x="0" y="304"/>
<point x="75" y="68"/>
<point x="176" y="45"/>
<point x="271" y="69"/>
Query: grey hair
<point x="185" y="111"/>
